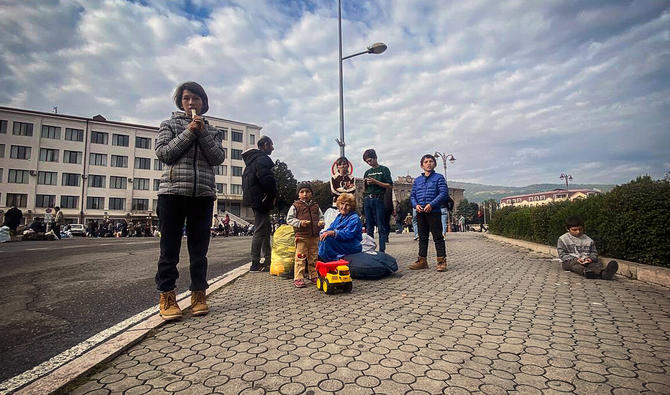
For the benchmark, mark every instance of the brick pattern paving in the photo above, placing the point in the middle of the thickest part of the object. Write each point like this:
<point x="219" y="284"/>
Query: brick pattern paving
<point x="499" y="320"/>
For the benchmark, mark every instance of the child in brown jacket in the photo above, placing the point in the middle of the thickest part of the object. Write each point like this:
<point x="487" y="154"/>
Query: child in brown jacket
<point x="307" y="219"/>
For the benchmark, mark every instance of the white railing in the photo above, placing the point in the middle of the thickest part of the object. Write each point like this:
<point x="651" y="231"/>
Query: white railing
<point x="233" y="217"/>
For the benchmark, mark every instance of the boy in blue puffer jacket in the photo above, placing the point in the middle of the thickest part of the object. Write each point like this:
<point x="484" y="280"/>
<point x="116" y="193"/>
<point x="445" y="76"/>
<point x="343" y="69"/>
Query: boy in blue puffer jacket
<point x="429" y="192"/>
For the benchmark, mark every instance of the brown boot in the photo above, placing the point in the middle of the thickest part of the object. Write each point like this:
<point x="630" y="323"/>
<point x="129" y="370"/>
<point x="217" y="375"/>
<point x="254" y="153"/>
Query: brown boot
<point x="420" y="263"/>
<point x="168" y="306"/>
<point x="199" y="303"/>
<point x="442" y="264"/>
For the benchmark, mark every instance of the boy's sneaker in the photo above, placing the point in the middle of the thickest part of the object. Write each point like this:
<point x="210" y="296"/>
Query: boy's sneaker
<point x="255" y="267"/>
<point x="299" y="283"/>
<point x="610" y="270"/>
<point x="416" y="238"/>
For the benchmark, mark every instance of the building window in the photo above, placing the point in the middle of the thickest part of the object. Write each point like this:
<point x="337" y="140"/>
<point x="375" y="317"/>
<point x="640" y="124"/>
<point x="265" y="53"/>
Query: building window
<point x="96" y="181"/>
<point x="143" y="163"/>
<point x="67" y="201"/>
<point x="237" y="171"/>
<point x="252" y="139"/>
<point x="51" y="132"/>
<point x="118" y="182"/>
<point x="72" y="156"/>
<point x="19" y="152"/>
<point x="141" y="184"/>
<point x="140" y="204"/>
<point x="1" y="169"/>
<point x="45" y="200"/>
<point x="120" y="140"/>
<point x="225" y="133"/>
<point x="236" y="135"/>
<point x="2" y="150"/>
<point x="221" y="170"/>
<point x="70" y="180"/>
<point x="143" y="142"/>
<point x="154" y="204"/>
<point x="117" y="204"/>
<point x="48" y="155"/>
<point x="18" y="176"/>
<point x="99" y="137"/>
<point x="119" y="161"/>
<point x="235" y="209"/>
<point x="157" y="184"/>
<point x="95" y="203"/>
<point x="220" y="188"/>
<point x="98" y="159"/>
<point x="22" y="129"/>
<point x="236" y="154"/>
<point x="158" y="165"/>
<point x="74" y="134"/>
<point x="3" y="126"/>
<point x="17" y="199"/>
<point x="236" y="189"/>
<point x="47" y="177"/>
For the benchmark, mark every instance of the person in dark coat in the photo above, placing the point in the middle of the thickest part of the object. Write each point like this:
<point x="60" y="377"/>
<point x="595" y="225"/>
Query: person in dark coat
<point x="12" y="218"/>
<point x="259" y="189"/>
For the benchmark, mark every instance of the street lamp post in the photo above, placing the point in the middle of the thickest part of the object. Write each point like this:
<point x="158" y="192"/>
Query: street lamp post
<point x="375" y="48"/>
<point x="566" y="177"/>
<point x="451" y="159"/>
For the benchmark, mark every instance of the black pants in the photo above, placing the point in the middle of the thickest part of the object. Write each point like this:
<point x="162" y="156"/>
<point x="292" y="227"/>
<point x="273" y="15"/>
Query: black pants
<point x="260" y="244"/>
<point x="56" y="229"/>
<point x="173" y="210"/>
<point x="431" y="222"/>
<point x="590" y="270"/>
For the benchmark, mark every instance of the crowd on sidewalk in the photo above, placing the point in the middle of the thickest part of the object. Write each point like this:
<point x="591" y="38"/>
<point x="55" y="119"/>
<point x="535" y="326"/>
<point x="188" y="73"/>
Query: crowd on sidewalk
<point x="191" y="148"/>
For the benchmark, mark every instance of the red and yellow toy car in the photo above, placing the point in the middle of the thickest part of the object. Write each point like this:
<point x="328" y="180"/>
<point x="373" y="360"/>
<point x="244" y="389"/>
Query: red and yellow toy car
<point x="333" y="276"/>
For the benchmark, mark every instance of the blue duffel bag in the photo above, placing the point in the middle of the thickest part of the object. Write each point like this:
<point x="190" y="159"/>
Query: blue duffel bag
<point x="371" y="265"/>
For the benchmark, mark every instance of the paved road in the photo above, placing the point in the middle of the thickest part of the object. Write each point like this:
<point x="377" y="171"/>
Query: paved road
<point x="499" y="320"/>
<point x="58" y="293"/>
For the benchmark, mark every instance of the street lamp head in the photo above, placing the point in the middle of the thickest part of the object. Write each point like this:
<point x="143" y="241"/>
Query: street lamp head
<point x="377" y="48"/>
<point x="452" y="159"/>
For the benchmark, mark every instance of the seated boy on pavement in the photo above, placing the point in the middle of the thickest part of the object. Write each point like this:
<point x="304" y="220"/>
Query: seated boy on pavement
<point x="578" y="254"/>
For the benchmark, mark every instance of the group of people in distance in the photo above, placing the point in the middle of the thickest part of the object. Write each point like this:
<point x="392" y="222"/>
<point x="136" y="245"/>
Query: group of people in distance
<point x="191" y="148"/>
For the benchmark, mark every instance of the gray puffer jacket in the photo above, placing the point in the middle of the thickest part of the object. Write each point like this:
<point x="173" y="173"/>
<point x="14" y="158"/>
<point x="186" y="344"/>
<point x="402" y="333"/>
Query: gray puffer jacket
<point x="189" y="157"/>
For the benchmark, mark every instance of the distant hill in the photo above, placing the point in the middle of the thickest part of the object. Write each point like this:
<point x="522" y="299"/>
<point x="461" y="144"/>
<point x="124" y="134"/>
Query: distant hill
<point x="480" y="192"/>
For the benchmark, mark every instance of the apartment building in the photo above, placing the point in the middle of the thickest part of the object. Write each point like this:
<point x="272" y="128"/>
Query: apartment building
<point x="540" y="198"/>
<point x="94" y="168"/>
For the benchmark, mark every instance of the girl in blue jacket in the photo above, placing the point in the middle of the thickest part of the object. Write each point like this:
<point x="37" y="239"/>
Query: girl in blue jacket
<point x="428" y="194"/>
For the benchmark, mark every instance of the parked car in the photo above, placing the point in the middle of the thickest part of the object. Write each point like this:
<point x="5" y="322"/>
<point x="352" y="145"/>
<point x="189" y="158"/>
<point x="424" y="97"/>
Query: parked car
<point x="77" y="230"/>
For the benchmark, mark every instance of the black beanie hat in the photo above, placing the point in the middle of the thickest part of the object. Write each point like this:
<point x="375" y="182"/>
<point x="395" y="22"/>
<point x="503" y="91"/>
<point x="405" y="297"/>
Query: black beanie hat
<point x="304" y="184"/>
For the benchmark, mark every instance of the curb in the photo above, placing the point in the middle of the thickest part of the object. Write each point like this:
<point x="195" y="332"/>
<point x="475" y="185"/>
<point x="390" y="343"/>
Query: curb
<point x="637" y="271"/>
<point x="56" y="380"/>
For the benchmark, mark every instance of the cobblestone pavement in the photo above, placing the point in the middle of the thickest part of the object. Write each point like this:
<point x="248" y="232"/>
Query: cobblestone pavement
<point x="499" y="320"/>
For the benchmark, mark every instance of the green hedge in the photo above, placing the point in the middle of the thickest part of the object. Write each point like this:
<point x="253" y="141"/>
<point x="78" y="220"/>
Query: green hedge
<point x="630" y="222"/>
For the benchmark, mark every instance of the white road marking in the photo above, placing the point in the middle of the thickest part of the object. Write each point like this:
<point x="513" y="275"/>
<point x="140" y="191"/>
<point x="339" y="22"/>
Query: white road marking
<point x="66" y="356"/>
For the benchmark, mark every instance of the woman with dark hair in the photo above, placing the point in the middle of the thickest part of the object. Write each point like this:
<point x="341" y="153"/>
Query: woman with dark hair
<point x="190" y="147"/>
<point x="341" y="180"/>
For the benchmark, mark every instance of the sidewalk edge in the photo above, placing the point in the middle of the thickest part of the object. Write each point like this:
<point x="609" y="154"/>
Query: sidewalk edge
<point x="108" y="350"/>
<point x="637" y="271"/>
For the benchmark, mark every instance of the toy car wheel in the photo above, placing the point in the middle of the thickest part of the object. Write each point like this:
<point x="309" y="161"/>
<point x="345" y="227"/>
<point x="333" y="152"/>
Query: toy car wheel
<point x="349" y="287"/>
<point x="318" y="283"/>
<point x="326" y="288"/>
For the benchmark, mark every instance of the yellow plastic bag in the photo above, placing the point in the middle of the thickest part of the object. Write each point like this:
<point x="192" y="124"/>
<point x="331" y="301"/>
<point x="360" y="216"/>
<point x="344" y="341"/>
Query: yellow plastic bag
<point x="283" y="250"/>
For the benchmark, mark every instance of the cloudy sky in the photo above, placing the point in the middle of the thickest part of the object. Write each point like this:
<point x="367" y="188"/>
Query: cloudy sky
<point x="518" y="91"/>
